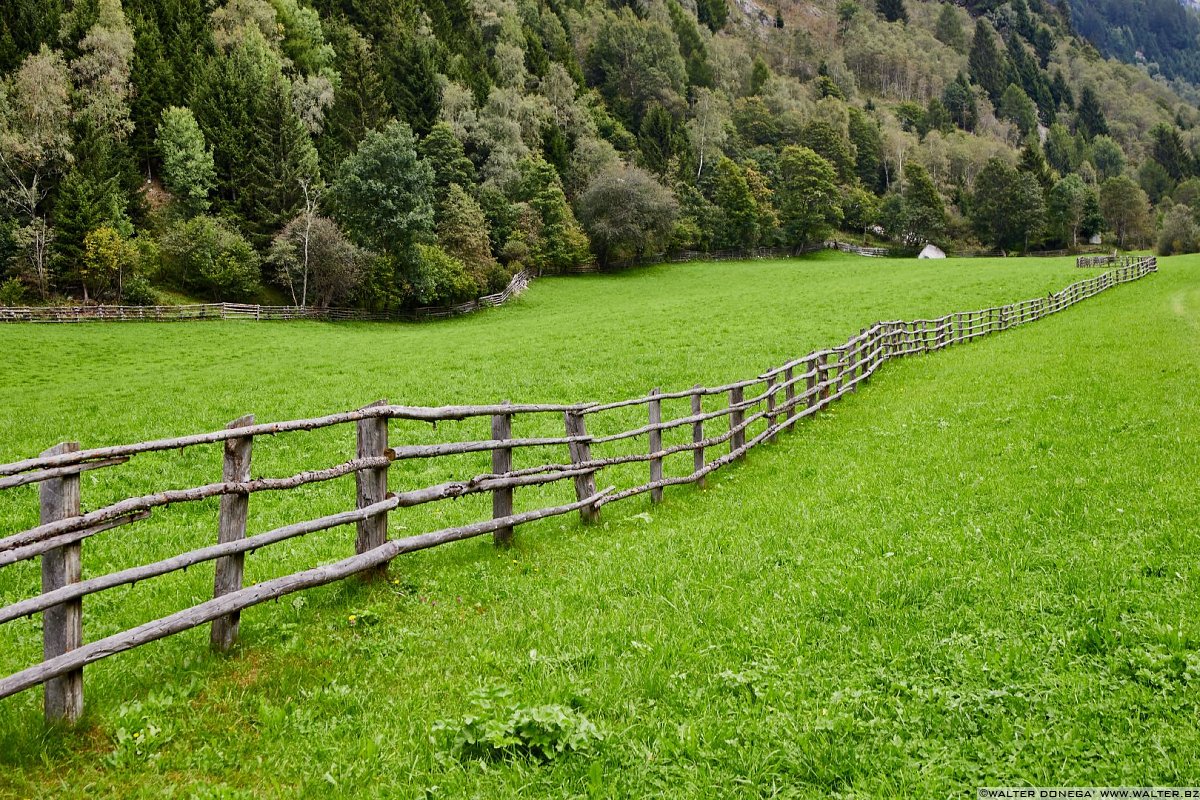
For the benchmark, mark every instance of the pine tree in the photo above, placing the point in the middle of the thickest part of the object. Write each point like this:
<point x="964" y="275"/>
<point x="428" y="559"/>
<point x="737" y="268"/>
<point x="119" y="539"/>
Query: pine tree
<point x="924" y="210"/>
<point x="960" y="103"/>
<point x="1033" y="162"/>
<point x="410" y="72"/>
<point x="172" y="43"/>
<point x="358" y="105"/>
<point x="868" y="147"/>
<point x="226" y="107"/>
<point x="987" y="66"/>
<point x="562" y="242"/>
<point x="188" y="169"/>
<point x="25" y="25"/>
<point x="691" y="46"/>
<point x="1090" y="117"/>
<point x="659" y="139"/>
<point x="949" y="29"/>
<point x="462" y="232"/>
<point x="739" y="217"/>
<point x="91" y="196"/>
<point x="892" y="10"/>
<point x="281" y="161"/>
<point x="1167" y="148"/>
<point x="713" y="13"/>
<point x="443" y="151"/>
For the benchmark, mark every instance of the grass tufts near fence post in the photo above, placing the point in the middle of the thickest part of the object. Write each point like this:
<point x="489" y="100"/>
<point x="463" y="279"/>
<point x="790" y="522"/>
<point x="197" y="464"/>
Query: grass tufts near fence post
<point x="62" y="625"/>
<point x="232" y="528"/>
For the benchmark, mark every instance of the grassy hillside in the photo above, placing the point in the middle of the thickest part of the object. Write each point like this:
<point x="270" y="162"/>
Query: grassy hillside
<point x="977" y="570"/>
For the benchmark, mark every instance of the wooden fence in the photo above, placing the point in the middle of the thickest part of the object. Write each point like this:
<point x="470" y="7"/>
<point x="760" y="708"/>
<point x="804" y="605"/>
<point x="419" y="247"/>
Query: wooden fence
<point x="246" y="311"/>
<point x="1107" y="261"/>
<point x="868" y="252"/>
<point x="249" y="311"/>
<point x="749" y="412"/>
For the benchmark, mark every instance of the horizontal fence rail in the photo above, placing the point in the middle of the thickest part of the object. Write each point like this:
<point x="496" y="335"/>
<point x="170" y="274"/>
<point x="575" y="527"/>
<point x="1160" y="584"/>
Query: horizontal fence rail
<point x="735" y="417"/>
<point x="1107" y="261"/>
<point x="868" y="252"/>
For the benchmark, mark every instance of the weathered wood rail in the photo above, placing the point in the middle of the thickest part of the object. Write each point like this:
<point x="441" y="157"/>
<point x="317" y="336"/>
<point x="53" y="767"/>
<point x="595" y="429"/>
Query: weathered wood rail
<point x="1107" y="261"/>
<point x="749" y="412"/>
<point x="867" y="252"/>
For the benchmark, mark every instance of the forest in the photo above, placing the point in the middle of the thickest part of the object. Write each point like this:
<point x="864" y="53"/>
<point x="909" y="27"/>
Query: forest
<point x="393" y="153"/>
<point x="1162" y="34"/>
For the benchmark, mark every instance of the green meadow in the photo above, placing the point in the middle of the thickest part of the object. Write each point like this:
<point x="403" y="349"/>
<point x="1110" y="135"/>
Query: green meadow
<point x="979" y="569"/>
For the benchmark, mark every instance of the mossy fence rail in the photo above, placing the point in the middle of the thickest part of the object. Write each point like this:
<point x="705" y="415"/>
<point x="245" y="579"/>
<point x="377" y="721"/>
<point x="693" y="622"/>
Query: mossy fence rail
<point x="756" y="409"/>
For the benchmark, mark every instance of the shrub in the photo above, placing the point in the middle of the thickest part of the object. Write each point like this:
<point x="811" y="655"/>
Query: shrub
<point x="497" y="728"/>
<point x="137" y="291"/>
<point x="12" y="292"/>
<point x="441" y="279"/>
<point x="496" y="278"/>
<point x="206" y="256"/>
<point x="1179" y="233"/>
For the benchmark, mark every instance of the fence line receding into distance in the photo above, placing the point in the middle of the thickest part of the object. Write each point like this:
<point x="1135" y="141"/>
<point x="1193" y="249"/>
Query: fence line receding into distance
<point x="748" y="412"/>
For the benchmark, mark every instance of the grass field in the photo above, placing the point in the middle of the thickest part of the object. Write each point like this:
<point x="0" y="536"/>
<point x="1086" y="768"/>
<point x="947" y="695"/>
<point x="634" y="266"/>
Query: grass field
<point x="979" y="570"/>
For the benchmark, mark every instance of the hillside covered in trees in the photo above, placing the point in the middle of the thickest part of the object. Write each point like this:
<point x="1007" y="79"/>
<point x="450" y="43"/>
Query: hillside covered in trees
<point x="1162" y="34"/>
<point x="386" y="153"/>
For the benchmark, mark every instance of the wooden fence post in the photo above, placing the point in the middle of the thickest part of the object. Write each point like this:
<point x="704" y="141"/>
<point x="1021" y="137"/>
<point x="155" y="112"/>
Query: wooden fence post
<point x="372" y="488"/>
<point x="581" y="451"/>
<point x="502" y="462"/>
<point x="771" y="416"/>
<point x="823" y="380"/>
<point x="736" y="417"/>
<point x="656" y="464"/>
<point x="62" y="625"/>
<point x="789" y="393"/>
<point x="857" y="367"/>
<point x="698" y="435"/>
<point x="232" y="528"/>
<point x="810" y="383"/>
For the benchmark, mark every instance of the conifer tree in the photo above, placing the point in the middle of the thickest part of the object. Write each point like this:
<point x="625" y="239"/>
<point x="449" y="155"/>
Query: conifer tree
<point x="739" y="217"/>
<point x="1090" y="117"/>
<point x="987" y="66"/>
<point x="892" y="10"/>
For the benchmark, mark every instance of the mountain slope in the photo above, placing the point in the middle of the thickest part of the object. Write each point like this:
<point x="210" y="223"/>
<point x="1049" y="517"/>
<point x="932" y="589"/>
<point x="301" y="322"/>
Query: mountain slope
<point x="1164" y="35"/>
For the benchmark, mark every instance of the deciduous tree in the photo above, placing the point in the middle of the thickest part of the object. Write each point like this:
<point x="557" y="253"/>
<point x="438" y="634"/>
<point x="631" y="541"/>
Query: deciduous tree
<point x="807" y="196"/>
<point x="627" y="213"/>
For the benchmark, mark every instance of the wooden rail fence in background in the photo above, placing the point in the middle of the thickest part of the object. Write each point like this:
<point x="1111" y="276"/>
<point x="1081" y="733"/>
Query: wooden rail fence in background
<point x="752" y="411"/>
<point x="261" y="313"/>
<point x="1107" y="260"/>
<point x="247" y="311"/>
